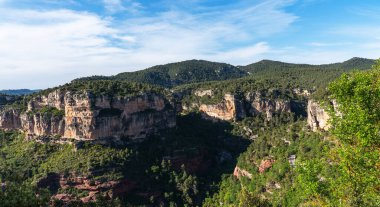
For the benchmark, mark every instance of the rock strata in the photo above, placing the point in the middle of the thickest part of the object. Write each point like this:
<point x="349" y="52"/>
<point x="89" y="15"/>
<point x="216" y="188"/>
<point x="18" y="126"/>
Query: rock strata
<point x="229" y="109"/>
<point x="82" y="115"/>
<point x="317" y="117"/>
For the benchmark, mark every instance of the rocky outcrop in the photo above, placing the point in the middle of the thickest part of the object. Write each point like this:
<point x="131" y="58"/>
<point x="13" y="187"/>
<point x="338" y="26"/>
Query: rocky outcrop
<point x="233" y="108"/>
<point x="301" y="92"/>
<point x="92" y="189"/>
<point x="259" y="104"/>
<point x="83" y="116"/>
<point x="238" y="173"/>
<point x="202" y="93"/>
<point x="265" y="164"/>
<point x="317" y="117"/>
<point x="229" y="109"/>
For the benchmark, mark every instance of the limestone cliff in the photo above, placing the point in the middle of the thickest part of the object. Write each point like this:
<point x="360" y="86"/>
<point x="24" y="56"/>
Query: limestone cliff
<point x="232" y="108"/>
<point x="229" y="109"/>
<point x="259" y="104"/>
<point x="317" y="117"/>
<point x="82" y="115"/>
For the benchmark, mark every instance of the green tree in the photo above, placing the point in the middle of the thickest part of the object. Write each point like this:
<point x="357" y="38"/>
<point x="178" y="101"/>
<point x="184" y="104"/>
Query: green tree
<point x="355" y="124"/>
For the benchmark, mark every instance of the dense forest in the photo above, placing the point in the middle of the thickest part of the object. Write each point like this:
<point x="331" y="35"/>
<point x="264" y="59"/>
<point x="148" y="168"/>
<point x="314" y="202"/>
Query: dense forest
<point x="253" y="161"/>
<point x="195" y="71"/>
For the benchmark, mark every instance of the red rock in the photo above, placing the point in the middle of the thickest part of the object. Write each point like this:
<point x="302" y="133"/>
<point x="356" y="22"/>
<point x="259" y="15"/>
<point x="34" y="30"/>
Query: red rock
<point x="265" y="164"/>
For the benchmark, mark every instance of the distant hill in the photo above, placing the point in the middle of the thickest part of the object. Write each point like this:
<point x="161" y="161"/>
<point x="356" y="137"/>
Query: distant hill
<point x="18" y="91"/>
<point x="173" y="74"/>
<point x="269" y="66"/>
<point x="196" y="71"/>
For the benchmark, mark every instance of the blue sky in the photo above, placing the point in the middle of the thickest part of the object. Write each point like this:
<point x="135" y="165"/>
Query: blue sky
<point x="44" y="43"/>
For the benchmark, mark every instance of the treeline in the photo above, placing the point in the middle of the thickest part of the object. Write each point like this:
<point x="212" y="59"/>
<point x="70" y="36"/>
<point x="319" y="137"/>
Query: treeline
<point x="195" y="71"/>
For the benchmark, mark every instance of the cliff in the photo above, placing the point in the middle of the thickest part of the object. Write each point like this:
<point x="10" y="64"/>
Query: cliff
<point x="232" y="108"/>
<point x="259" y="104"/>
<point x="82" y="115"/>
<point x="229" y="109"/>
<point x="317" y="117"/>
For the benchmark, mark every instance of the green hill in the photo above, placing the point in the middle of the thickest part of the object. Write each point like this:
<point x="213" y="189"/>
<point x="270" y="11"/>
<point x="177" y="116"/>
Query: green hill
<point x="174" y="74"/>
<point x="269" y="66"/>
<point x="196" y="71"/>
<point x="18" y="92"/>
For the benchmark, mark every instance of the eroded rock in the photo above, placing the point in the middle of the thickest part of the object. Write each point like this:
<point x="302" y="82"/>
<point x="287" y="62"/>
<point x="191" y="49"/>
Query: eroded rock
<point x="84" y="116"/>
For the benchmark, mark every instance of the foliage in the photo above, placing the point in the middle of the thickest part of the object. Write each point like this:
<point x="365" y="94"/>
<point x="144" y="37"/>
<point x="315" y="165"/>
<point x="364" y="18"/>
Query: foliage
<point x="23" y="195"/>
<point x="356" y="126"/>
<point x="106" y="87"/>
<point x="195" y="71"/>
<point x="49" y="112"/>
<point x="278" y="142"/>
<point x="340" y="168"/>
<point x="18" y="92"/>
<point x="174" y="74"/>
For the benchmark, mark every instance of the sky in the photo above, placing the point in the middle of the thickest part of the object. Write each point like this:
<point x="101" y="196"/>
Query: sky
<point x="45" y="43"/>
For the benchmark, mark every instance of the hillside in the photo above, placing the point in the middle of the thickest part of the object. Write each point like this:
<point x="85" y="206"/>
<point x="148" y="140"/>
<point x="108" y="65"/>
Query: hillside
<point x="18" y="91"/>
<point x="196" y="71"/>
<point x="174" y="74"/>
<point x="269" y="66"/>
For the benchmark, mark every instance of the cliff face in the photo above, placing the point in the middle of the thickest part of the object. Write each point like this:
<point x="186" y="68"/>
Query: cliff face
<point x="259" y="105"/>
<point x="317" y="117"/>
<point x="84" y="116"/>
<point x="254" y="104"/>
<point x="229" y="109"/>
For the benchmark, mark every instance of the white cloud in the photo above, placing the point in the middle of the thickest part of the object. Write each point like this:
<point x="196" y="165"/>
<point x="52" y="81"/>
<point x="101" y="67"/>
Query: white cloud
<point x="68" y="44"/>
<point x="114" y="6"/>
<point x="44" y="48"/>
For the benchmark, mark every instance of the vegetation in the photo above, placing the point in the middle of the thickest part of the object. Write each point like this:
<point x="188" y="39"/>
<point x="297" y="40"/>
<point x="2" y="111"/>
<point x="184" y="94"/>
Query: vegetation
<point x="167" y="170"/>
<point x="355" y="181"/>
<point x="89" y="88"/>
<point x="195" y="71"/>
<point x="277" y="184"/>
<point x="193" y="164"/>
<point x="49" y="112"/>
<point x="339" y="170"/>
<point x="179" y="73"/>
<point x="18" y="92"/>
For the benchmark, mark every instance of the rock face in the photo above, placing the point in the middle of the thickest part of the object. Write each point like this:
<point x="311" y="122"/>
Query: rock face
<point x="259" y="105"/>
<point x="109" y="189"/>
<point x="229" y="109"/>
<point x="317" y="117"/>
<point x="238" y="173"/>
<point x="265" y="164"/>
<point x="84" y="116"/>
<point x="201" y="93"/>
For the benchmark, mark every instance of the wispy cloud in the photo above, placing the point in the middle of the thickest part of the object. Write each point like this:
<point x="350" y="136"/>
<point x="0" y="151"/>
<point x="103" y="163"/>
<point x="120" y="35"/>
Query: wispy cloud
<point x="329" y="44"/>
<point x="114" y="6"/>
<point x="367" y="11"/>
<point x="41" y="48"/>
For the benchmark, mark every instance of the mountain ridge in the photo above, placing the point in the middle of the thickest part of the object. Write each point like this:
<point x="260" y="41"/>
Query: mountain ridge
<point x="179" y="73"/>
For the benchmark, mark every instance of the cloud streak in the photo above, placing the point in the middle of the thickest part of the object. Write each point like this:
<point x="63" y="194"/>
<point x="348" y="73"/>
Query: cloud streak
<point x="44" y="48"/>
<point x="115" y="6"/>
